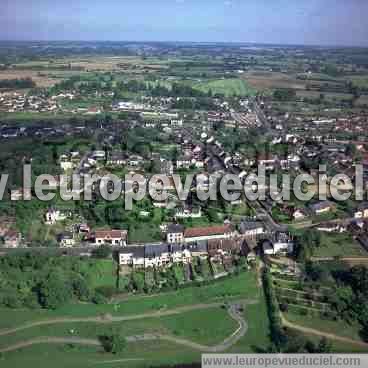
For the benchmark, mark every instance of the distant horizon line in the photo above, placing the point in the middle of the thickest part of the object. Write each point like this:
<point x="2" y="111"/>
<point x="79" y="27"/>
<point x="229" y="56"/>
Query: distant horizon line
<point x="240" y="43"/>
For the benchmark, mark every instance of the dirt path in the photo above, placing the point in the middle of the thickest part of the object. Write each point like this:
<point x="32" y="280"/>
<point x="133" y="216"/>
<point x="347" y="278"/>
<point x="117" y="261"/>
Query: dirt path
<point x="107" y="318"/>
<point x="51" y="340"/>
<point x="330" y="336"/>
<point x="224" y="345"/>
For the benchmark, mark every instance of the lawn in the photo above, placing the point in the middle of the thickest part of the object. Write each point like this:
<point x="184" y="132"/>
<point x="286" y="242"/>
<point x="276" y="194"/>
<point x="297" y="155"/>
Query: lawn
<point x="144" y="232"/>
<point x="257" y="338"/>
<point x="75" y="356"/>
<point x="102" y="272"/>
<point x="339" y="328"/>
<point x="227" y="87"/>
<point x="242" y="286"/>
<point x="208" y="326"/>
<point x="338" y="245"/>
<point x="359" y="80"/>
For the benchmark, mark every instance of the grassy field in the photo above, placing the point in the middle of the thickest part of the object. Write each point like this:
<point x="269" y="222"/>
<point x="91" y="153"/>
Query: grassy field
<point x="257" y="338"/>
<point x="197" y="326"/>
<point x="359" y="80"/>
<point x="40" y="79"/>
<point x="227" y="87"/>
<point x="265" y="81"/>
<point x="339" y="245"/>
<point x="331" y="96"/>
<point x="102" y="272"/>
<point x="339" y="328"/>
<point x="73" y="356"/>
<point x="208" y="326"/>
<point x="363" y="100"/>
<point x="242" y="286"/>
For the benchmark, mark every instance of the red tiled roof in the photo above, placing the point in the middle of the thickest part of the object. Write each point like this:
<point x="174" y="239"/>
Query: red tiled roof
<point x="11" y="235"/>
<point x="206" y="231"/>
<point x="111" y="234"/>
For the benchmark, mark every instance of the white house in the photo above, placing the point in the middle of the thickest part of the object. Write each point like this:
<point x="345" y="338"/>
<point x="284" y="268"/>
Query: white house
<point x="156" y="255"/>
<point x="251" y="228"/>
<point x="52" y="216"/>
<point x="188" y="213"/>
<point x="299" y="215"/>
<point x="179" y="254"/>
<point x="175" y="234"/>
<point x="66" y="240"/>
<point x="67" y="165"/>
<point x="283" y="244"/>
<point x="183" y="162"/>
<point x="113" y="237"/>
<point x="361" y="211"/>
<point x="12" y="239"/>
<point x="132" y="256"/>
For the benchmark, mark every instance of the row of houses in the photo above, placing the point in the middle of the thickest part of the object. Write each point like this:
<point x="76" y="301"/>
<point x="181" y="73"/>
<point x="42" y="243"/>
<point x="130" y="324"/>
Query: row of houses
<point x="160" y="255"/>
<point x="178" y="234"/>
<point x="115" y="238"/>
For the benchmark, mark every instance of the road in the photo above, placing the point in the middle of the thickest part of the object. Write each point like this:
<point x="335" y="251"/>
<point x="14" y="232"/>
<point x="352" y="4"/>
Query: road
<point x="263" y="215"/>
<point x="233" y="311"/>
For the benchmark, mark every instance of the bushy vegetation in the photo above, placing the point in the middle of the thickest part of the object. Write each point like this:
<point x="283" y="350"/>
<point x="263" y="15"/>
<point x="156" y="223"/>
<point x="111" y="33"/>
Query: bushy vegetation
<point x="34" y="280"/>
<point x="333" y="291"/>
<point x="17" y="83"/>
<point x="113" y="342"/>
<point x="199" y="273"/>
<point x="277" y="334"/>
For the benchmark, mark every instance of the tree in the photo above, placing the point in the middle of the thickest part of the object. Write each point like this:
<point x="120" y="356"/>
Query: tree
<point x="54" y="292"/>
<point x="284" y="94"/>
<point x="81" y="289"/>
<point x="324" y="346"/>
<point x="113" y="343"/>
<point x="137" y="281"/>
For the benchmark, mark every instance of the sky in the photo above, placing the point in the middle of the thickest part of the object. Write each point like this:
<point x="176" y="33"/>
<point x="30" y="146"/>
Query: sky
<point x="316" y="22"/>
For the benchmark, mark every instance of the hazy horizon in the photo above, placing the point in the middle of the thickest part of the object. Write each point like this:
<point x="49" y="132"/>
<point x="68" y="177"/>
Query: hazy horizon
<point x="282" y="22"/>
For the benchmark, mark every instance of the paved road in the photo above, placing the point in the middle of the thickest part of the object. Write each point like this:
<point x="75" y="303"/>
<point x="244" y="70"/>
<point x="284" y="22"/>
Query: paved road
<point x="224" y="345"/>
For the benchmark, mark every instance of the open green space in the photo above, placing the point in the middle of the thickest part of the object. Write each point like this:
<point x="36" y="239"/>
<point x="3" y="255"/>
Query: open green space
<point x="339" y="327"/>
<point x="208" y="326"/>
<point x="257" y="339"/>
<point x="227" y="87"/>
<point x="243" y="286"/>
<point x="338" y="245"/>
<point x="76" y="356"/>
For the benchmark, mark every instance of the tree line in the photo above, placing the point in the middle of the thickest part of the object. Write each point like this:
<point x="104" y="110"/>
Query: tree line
<point x="19" y="83"/>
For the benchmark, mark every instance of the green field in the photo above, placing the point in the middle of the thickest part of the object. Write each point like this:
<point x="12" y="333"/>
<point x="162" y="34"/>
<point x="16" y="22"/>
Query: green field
<point x="102" y="272"/>
<point x="75" y="356"/>
<point x="359" y="80"/>
<point x="339" y="328"/>
<point x="339" y="245"/>
<point x="241" y="286"/>
<point x="209" y="326"/>
<point x="227" y="87"/>
<point x="257" y="338"/>
<point x="197" y="326"/>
